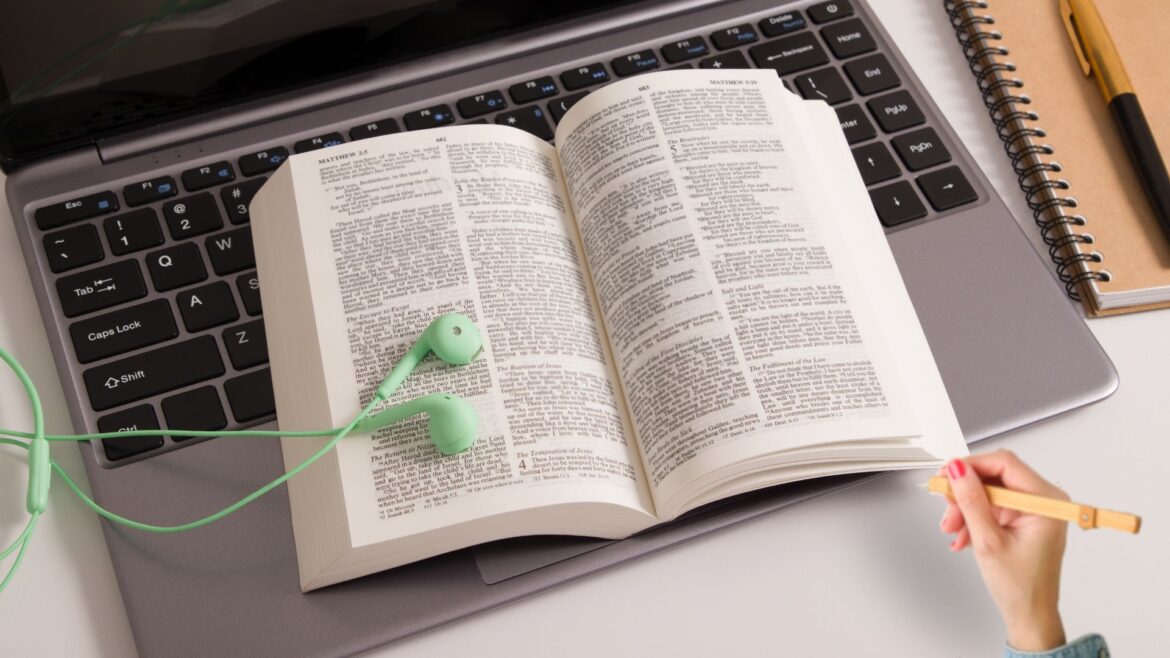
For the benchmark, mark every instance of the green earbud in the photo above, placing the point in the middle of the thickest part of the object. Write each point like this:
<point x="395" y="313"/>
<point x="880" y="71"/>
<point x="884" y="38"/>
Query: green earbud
<point x="451" y="424"/>
<point x="453" y="337"/>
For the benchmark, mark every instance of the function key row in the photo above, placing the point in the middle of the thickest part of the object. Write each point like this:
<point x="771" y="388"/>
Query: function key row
<point x="846" y="39"/>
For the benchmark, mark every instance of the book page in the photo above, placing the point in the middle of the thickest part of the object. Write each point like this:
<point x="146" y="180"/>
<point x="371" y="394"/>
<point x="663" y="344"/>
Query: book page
<point x="739" y="328"/>
<point x="473" y="220"/>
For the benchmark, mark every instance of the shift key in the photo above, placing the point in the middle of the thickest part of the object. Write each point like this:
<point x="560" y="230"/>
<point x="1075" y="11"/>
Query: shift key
<point x="150" y="373"/>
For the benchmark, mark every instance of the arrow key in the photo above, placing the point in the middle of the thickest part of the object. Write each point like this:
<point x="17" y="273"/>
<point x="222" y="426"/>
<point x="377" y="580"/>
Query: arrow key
<point x="875" y="163"/>
<point x="896" y="204"/>
<point x="947" y="188"/>
<point x="73" y="247"/>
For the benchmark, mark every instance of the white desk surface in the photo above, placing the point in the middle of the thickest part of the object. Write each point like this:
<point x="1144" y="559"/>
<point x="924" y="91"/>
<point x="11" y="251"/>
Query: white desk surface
<point x="865" y="572"/>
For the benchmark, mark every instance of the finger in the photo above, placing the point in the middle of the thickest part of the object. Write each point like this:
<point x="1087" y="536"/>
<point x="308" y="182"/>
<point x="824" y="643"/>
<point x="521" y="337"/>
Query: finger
<point x="952" y="520"/>
<point x="1005" y="466"/>
<point x="967" y="488"/>
<point x="1005" y="516"/>
<point x="961" y="540"/>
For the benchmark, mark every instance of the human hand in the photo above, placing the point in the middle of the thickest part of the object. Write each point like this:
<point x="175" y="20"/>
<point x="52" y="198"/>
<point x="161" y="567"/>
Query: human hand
<point x="1018" y="554"/>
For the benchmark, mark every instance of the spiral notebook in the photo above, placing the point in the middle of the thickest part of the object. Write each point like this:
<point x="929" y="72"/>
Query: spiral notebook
<point x="1062" y="141"/>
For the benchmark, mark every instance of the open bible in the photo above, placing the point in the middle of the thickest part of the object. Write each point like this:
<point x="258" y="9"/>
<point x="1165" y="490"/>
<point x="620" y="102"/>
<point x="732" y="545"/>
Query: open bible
<point x="687" y="298"/>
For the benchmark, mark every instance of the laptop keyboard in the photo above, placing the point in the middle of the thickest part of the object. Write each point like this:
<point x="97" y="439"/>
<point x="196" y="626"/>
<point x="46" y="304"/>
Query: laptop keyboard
<point x="158" y="363"/>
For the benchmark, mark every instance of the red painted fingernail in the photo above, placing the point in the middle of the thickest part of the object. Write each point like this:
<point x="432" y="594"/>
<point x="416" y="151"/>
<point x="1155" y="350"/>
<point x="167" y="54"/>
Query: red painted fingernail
<point x="956" y="469"/>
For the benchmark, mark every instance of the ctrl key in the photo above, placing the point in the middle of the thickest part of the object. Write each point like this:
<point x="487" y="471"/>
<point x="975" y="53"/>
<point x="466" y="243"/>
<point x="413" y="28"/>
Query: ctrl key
<point x="141" y="417"/>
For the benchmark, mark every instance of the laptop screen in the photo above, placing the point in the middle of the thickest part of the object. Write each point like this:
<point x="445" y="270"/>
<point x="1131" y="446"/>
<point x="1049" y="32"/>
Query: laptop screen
<point x="74" y="71"/>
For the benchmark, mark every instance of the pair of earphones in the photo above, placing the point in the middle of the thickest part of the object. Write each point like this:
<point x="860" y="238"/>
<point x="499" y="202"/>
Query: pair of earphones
<point x="451" y="425"/>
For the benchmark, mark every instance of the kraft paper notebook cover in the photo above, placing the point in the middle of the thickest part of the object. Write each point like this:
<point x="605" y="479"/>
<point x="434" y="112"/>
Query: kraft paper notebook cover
<point x="1100" y="228"/>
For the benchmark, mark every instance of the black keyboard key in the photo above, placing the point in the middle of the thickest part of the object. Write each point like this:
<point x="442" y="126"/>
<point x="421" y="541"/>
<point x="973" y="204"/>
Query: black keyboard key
<point x="250" y="395"/>
<point x="75" y="210"/>
<point x="431" y="117"/>
<point x="729" y="60"/>
<point x="212" y="174"/>
<point x="123" y="330"/>
<point x="262" y="162"/>
<point x="133" y="231"/>
<point x="529" y="118"/>
<point x="318" y="142"/>
<point x="207" y="306"/>
<point x="533" y="90"/>
<point x="823" y="85"/>
<point x="236" y="198"/>
<point x="643" y="60"/>
<point x="583" y="76"/>
<point x="101" y="287"/>
<point x="560" y="106"/>
<point x="248" y="285"/>
<point x="896" y="111"/>
<point x="247" y="344"/>
<point x="781" y="24"/>
<point x="732" y="37"/>
<point x="947" y="188"/>
<point x="875" y="163"/>
<point x="197" y="409"/>
<point x="790" y="54"/>
<point x="897" y="203"/>
<point x="230" y="252"/>
<point x="480" y="104"/>
<point x="921" y="149"/>
<point x="150" y="373"/>
<point x="849" y="39"/>
<point x="175" y="267"/>
<point x="872" y="74"/>
<point x="72" y="248"/>
<point x="830" y="11"/>
<point x="129" y="420"/>
<point x="387" y="126"/>
<point x="855" y="124"/>
<point x="681" y="51"/>
<point x="192" y="215"/>
<point x="149" y="191"/>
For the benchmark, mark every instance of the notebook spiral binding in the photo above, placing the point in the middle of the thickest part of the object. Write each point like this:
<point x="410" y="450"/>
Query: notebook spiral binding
<point x="1068" y="246"/>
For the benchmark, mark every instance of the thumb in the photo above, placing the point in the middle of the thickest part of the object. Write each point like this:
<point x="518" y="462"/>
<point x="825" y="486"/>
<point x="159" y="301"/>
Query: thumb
<point x="967" y="490"/>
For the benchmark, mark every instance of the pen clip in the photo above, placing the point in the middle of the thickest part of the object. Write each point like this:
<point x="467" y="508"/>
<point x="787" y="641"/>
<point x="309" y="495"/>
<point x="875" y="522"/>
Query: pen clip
<point x="1074" y="35"/>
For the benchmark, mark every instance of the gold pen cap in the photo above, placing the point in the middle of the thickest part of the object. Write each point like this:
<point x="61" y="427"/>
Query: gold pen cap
<point x="1094" y="47"/>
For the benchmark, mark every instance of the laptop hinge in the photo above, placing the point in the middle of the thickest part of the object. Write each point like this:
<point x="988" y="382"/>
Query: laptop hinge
<point x="445" y="64"/>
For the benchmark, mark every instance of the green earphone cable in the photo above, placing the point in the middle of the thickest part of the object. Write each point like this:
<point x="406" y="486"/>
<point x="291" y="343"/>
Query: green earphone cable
<point x="20" y="545"/>
<point x="451" y="336"/>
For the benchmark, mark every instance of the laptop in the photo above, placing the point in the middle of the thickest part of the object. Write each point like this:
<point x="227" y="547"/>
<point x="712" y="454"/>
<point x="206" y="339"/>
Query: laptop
<point x="134" y="140"/>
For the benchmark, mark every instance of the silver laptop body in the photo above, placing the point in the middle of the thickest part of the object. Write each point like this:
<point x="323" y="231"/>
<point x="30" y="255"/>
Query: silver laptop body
<point x="1011" y="347"/>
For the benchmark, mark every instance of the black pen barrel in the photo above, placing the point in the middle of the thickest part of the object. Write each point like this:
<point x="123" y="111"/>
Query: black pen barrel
<point x="1144" y="152"/>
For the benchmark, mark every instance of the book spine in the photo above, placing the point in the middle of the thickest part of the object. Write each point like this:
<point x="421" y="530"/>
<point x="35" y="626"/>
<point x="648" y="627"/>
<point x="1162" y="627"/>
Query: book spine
<point x="1070" y="246"/>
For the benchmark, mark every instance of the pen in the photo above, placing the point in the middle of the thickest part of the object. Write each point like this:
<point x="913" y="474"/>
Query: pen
<point x="1085" y="516"/>
<point x="1097" y="55"/>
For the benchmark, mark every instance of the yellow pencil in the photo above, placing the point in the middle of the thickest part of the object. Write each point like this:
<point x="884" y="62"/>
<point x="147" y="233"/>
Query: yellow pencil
<point x="1085" y="516"/>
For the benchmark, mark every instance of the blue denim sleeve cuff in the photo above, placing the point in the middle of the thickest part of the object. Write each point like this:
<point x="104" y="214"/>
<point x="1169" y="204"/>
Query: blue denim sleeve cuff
<point x="1086" y="646"/>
